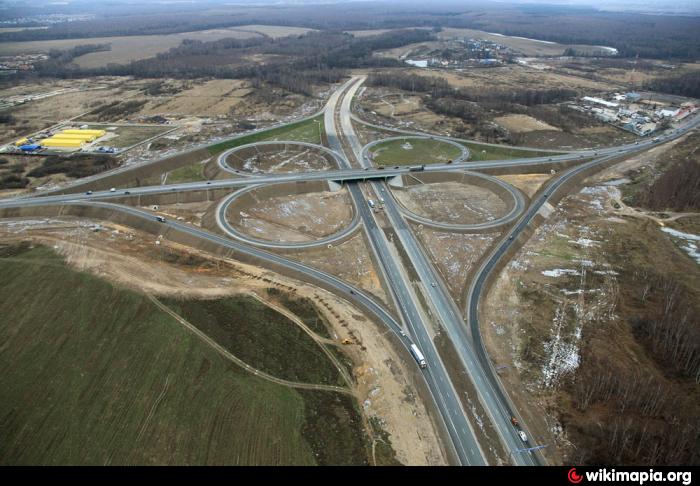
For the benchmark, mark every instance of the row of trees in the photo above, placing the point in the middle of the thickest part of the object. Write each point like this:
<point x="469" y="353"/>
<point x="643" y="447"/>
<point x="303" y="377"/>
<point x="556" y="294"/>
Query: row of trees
<point x="678" y="187"/>
<point x="684" y="85"/>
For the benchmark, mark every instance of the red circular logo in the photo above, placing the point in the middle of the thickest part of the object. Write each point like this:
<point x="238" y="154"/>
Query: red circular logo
<point x="574" y="477"/>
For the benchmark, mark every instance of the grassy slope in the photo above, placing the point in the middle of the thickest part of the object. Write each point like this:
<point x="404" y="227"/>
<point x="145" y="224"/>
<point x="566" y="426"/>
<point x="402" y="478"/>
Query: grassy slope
<point x="255" y="333"/>
<point x="82" y="372"/>
<point x="189" y="173"/>
<point x="303" y="131"/>
<point x="479" y="152"/>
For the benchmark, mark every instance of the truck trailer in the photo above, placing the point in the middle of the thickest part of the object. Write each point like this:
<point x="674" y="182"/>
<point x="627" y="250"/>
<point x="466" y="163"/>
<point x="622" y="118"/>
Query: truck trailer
<point x="418" y="356"/>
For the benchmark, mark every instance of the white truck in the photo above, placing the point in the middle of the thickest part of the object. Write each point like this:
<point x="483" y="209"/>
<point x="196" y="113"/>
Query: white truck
<point x="371" y="203"/>
<point x="418" y="356"/>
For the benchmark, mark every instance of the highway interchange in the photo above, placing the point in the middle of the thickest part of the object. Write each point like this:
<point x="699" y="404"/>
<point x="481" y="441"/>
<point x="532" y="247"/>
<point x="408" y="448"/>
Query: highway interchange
<point x="412" y="325"/>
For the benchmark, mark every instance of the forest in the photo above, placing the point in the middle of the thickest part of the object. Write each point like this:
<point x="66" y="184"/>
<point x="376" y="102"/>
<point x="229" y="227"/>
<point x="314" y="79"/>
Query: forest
<point x="295" y="63"/>
<point x="652" y="36"/>
<point x="687" y="84"/>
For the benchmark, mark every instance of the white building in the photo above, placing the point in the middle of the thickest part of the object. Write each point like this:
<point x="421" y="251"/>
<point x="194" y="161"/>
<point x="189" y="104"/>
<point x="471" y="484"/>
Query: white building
<point x="600" y="101"/>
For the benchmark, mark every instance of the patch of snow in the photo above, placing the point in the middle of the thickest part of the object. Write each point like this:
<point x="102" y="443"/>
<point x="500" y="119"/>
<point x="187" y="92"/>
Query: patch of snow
<point x="417" y="63"/>
<point x="617" y="182"/>
<point x="558" y="272"/>
<point x="690" y="246"/>
<point x="585" y="242"/>
<point x="518" y="265"/>
<point x="605" y="272"/>
<point x="563" y="353"/>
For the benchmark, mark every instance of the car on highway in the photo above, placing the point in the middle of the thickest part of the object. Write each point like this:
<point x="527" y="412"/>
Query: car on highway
<point x="89" y="193"/>
<point x="113" y="189"/>
<point x="160" y="219"/>
<point x="127" y="192"/>
<point x="433" y="285"/>
<point x="523" y="436"/>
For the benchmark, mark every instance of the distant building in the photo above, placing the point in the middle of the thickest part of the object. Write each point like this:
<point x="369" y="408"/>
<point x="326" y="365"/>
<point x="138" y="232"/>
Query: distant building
<point x="600" y="101"/>
<point x="666" y="113"/>
<point x="605" y="115"/>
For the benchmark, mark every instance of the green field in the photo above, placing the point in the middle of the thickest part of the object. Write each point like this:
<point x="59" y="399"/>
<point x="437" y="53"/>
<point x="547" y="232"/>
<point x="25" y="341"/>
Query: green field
<point x="479" y="152"/>
<point x="265" y="339"/>
<point x="310" y="131"/>
<point x="189" y="173"/>
<point x="304" y="309"/>
<point x="413" y="151"/>
<point x="95" y="374"/>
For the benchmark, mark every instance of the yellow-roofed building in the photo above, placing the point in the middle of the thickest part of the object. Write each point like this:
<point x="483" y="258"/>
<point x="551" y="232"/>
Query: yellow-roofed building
<point x="96" y="133"/>
<point x="61" y="143"/>
<point x="74" y="136"/>
<point x="21" y="141"/>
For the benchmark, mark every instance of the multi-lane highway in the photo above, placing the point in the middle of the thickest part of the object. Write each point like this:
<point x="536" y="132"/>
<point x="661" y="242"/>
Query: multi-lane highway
<point x="447" y="314"/>
<point x="412" y="325"/>
<point x="446" y="398"/>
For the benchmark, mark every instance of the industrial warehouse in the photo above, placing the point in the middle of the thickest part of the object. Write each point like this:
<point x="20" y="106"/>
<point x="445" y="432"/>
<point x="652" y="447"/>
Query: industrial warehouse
<point x="65" y="140"/>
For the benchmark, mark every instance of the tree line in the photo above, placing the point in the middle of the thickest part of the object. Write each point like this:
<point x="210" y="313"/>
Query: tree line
<point x="687" y="84"/>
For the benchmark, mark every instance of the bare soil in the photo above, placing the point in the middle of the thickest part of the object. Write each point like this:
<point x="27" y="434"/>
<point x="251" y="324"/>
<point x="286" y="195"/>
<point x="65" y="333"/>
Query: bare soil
<point x="296" y="218"/>
<point x="455" y="254"/>
<point x="349" y="260"/>
<point x="522" y="123"/>
<point x="528" y="183"/>
<point x="292" y="160"/>
<point x="452" y="202"/>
